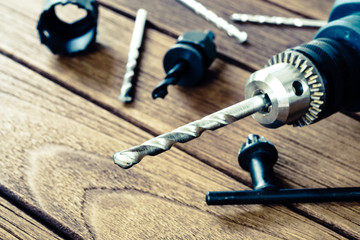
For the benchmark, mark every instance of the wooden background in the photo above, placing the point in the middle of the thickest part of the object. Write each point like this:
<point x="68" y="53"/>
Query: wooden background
<point x="61" y="122"/>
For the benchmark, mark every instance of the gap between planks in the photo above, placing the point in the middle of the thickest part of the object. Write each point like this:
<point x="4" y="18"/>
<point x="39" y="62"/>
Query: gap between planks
<point x="289" y="9"/>
<point x="38" y="215"/>
<point x="111" y="110"/>
<point x="149" y="24"/>
<point x="286" y="224"/>
<point x="104" y="106"/>
<point x="319" y="221"/>
<point x="63" y="231"/>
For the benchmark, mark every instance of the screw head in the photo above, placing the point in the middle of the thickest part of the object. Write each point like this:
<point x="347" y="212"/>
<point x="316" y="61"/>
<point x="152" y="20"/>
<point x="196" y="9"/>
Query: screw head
<point x="256" y="146"/>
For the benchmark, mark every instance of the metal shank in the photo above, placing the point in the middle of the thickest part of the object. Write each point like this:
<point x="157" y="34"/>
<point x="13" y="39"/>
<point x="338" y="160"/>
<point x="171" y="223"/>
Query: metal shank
<point x="133" y="55"/>
<point x="219" y="22"/>
<point x="298" y="22"/>
<point x="164" y="142"/>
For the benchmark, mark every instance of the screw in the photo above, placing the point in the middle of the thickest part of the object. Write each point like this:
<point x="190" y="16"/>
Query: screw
<point x="186" y="62"/>
<point x="135" y="44"/>
<point x="221" y="23"/>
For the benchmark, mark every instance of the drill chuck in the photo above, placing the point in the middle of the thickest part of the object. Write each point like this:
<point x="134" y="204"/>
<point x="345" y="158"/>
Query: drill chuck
<point x="285" y="83"/>
<point x="314" y="80"/>
<point x="308" y="83"/>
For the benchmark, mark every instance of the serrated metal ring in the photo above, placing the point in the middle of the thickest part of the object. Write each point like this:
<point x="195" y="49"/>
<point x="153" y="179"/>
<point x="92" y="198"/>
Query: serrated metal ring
<point x="313" y="80"/>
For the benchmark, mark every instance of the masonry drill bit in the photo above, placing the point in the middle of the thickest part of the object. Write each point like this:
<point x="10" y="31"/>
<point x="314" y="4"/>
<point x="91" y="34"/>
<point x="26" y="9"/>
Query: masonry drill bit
<point x="135" y="44"/>
<point x="164" y="142"/>
<point x="210" y="16"/>
<point x="298" y="22"/>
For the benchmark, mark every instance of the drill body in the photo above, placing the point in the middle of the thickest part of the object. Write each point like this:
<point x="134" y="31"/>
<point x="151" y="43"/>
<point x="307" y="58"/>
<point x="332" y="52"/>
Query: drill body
<point x="314" y="80"/>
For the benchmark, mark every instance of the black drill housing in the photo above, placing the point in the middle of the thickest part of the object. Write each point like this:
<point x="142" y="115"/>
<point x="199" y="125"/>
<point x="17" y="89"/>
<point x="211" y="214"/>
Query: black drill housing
<point x="335" y="51"/>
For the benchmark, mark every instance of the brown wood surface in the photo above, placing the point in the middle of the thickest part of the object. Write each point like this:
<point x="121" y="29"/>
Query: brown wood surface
<point x="263" y="41"/>
<point x="15" y="224"/>
<point x="307" y="8"/>
<point x="63" y="167"/>
<point x="58" y="138"/>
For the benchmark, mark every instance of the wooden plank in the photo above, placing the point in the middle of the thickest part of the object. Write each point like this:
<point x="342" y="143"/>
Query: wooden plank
<point x="309" y="157"/>
<point x="58" y="149"/>
<point x="311" y="9"/>
<point x="264" y="40"/>
<point x="15" y="224"/>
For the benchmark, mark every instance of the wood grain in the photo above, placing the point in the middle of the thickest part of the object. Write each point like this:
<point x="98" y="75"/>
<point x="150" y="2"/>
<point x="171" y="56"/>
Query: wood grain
<point x="311" y="9"/>
<point x="58" y="149"/>
<point x="14" y="224"/>
<point x="323" y="155"/>
<point x="318" y="162"/>
<point x="263" y="40"/>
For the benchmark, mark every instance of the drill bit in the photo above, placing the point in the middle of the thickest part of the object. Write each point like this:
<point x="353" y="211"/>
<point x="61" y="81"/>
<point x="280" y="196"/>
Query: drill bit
<point x="136" y="39"/>
<point x="210" y="16"/>
<point x="298" y="22"/>
<point x="164" y="142"/>
<point x="186" y="62"/>
<point x="172" y="77"/>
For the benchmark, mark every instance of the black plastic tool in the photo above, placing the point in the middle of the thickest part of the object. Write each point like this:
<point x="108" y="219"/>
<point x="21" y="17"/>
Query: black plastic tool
<point x="186" y="62"/>
<point x="68" y="38"/>
<point x="283" y="196"/>
<point x="258" y="156"/>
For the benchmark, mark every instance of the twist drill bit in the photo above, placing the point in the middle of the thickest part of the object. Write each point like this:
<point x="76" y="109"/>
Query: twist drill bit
<point x="298" y="22"/>
<point x="172" y="77"/>
<point x="164" y="142"/>
<point x="210" y="16"/>
<point x="135" y="44"/>
<point x="186" y="62"/>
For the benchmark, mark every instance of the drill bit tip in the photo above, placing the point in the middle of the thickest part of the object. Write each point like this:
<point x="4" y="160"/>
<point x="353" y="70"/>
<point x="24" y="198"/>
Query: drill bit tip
<point x="160" y="91"/>
<point x="125" y="98"/>
<point x="125" y="93"/>
<point x="123" y="160"/>
<point x="161" y="88"/>
<point x="172" y="77"/>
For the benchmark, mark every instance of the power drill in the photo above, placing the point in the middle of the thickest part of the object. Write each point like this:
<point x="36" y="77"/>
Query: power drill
<point x="314" y="80"/>
<point x="299" y="86"/>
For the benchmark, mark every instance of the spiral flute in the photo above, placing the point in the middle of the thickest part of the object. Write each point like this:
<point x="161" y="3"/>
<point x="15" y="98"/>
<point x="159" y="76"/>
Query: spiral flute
<point x="221" y="23"/>
<point x="135" y="44"/>
<point x="164" y="142"/>
<point x="298" y="22"/>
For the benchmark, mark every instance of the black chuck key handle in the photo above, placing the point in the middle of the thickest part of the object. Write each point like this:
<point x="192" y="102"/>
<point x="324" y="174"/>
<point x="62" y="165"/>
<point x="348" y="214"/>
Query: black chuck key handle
<point x="258" y="156"/>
